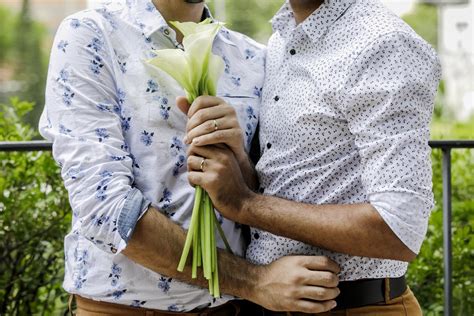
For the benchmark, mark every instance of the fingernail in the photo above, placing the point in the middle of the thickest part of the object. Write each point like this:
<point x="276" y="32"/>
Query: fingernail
<point x="185" y="139"/>
<point x="195" y="141"/>
<point x="333" y="305"/>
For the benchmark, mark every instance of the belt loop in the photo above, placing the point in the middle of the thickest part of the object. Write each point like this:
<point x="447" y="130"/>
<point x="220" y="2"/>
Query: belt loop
<point x="387" y="291"/>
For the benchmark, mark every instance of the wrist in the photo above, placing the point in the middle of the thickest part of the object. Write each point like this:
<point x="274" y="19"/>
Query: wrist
<point x="247" y="207"/>
<point x="242" y="158"/>
<point x="252" y="290"/>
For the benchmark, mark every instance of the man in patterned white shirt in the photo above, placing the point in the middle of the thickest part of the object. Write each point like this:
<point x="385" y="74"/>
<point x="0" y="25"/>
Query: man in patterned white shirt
<point x="118" y="138"/>
<point x="345" y="163"/>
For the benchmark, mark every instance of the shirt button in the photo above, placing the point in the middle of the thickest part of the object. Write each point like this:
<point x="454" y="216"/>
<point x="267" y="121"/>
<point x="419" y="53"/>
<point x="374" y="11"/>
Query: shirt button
<point x="167" y="32"/>
<point x="276" y="98"/>
<point x="261" y="190"/>
<point x="292" y="51"/>
<point x="269" y="145"/>
<point x="114" y="250"/>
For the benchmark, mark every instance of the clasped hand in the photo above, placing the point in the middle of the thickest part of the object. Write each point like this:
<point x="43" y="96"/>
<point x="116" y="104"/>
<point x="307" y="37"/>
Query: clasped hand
<point x="216" y="153"/>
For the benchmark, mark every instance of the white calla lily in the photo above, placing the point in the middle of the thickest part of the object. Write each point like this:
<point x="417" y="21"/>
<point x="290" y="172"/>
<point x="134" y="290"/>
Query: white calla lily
<point x="196" y="69"/>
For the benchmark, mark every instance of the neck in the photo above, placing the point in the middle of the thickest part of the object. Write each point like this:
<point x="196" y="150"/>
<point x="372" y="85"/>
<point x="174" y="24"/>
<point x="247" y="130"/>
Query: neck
<point x="179" y="11"/>
<point x="304" y="8"/>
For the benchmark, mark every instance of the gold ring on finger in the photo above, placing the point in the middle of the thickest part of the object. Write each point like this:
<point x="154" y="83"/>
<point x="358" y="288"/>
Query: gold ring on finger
<point x="202" y="164"/>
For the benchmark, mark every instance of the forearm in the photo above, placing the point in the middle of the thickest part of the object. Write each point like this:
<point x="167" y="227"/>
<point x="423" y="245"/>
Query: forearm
<point x="248" y="171"/>
<point x="355" y="229"/>
<point x="157" y="243"/>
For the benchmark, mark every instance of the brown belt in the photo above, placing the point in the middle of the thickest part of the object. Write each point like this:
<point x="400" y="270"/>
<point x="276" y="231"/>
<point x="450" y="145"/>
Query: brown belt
<point x="88" y="307"/>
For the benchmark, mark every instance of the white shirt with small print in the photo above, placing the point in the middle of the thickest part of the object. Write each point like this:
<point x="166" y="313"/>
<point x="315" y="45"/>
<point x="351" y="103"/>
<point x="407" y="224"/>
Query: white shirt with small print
<point x="118" y="137"/>
<point x="347" y="104"/>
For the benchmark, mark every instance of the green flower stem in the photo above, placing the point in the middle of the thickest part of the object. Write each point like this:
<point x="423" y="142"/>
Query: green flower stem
<point x="213" y="239"/>
<point x="216" y="291"/>
<point x="195" y="250"/>
<point x="207" y="227"/>
<point x="192" y="225"/>
<point x="221" y="233"/>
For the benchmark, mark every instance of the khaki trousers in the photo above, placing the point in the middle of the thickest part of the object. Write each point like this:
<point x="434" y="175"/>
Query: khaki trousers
<point x="404" y="305"/>
<point x="88" y="307"/>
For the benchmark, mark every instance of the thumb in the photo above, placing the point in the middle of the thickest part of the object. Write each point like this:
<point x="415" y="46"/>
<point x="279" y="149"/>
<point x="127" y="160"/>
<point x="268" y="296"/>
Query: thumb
<point x="183" y="104"/>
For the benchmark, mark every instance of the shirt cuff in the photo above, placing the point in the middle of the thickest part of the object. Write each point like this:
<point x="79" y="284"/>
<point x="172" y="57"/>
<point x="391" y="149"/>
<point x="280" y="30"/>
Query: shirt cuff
<point x="406" y="215"/>
<point x="135" y="206"/>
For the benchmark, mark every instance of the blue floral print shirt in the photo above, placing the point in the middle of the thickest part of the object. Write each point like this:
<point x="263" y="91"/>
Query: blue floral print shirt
<point x="118" y="138"/>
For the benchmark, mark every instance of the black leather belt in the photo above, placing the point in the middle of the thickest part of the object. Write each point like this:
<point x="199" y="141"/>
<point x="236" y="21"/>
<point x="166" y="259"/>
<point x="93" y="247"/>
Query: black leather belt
<point x="369" y="292"/>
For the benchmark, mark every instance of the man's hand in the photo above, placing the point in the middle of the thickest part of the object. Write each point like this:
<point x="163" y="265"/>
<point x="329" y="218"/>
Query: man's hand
<point x="220" y="176"/>
<point x="212" y="121"/>
<point x="305" y="284"/>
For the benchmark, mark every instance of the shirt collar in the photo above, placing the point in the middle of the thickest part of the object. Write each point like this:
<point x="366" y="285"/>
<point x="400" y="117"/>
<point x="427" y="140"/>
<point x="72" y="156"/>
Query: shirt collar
<point x="150" y="19"/>
<point x="317" y="24"/>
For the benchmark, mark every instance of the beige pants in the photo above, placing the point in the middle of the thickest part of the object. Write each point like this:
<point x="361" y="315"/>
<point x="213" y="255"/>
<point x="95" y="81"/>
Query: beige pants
<point x="87" y="307"/>
<point x="405" y="305"/>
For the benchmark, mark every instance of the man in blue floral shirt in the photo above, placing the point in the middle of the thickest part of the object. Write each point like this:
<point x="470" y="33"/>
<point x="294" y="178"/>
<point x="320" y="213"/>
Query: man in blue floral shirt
<point x="118" y="138"/>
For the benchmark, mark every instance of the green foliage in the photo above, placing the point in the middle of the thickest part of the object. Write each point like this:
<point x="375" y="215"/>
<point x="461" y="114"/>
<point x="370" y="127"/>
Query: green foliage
<point x="426" y="272"/>
<point x="30" y="67"/>
<point x="21" y="52"/>
<point x="424" y="20"/>
<point x="34" y="217"/>
<point x="249" y="16"/>
<point x="6" y="22"/>
<point x="449" y="129"/>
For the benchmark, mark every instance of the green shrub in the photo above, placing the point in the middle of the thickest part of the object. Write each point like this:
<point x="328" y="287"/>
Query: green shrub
<point x="34" y="217"/>
<point x="425" y="274"/>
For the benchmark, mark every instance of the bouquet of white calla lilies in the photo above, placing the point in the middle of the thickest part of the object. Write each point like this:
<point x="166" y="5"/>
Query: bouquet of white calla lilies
<point x="197" y="70"/>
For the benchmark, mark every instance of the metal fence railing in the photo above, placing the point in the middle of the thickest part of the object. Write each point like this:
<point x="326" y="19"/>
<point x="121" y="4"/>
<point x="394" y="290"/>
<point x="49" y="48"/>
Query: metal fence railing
<point x="446" y="146"/>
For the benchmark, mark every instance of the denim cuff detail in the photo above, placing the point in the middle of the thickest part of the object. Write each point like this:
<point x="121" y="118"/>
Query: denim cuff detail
<point x="134" y="207"/>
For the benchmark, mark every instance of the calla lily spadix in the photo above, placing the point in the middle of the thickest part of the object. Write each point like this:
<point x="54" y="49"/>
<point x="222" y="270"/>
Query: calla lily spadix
<point x="197" y="70"/>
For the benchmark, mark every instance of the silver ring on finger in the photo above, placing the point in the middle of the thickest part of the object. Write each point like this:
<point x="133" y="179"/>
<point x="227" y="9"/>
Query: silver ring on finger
<point x="216" y="126"/>
<point x="202" y="164"/>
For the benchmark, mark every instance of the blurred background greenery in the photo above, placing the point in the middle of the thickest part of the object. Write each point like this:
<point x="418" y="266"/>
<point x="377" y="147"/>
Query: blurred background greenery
<point x="34" y="211"/>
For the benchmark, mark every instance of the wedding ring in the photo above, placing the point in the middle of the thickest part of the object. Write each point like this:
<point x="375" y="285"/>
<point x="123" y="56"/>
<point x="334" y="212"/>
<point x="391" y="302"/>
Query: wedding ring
<point x="202" y="164"/>
<point x="216" y="127"/>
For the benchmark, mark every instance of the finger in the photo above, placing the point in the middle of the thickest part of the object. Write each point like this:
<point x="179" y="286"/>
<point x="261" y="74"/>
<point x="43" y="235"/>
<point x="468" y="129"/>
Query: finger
<point x="209" y="127"/>
<point x="321" y="263"/>
<point x="202" y="102"/>
<point x="194" y="163"/>
<point x="196" y="178"/>
<point x="317" y="293"/>
<point x="207" y="152"/>
<point x="183" y="104"/>
<point x="208" y="114"/>
<point x="315" y="307"/>
<point x="219" y="137"/>
<point x="322" y="278"/>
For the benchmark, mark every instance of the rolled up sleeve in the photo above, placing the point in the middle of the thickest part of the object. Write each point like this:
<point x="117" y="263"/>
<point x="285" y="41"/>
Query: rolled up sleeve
<point x="82" y="117"/>
<point x="388" y="107"/>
